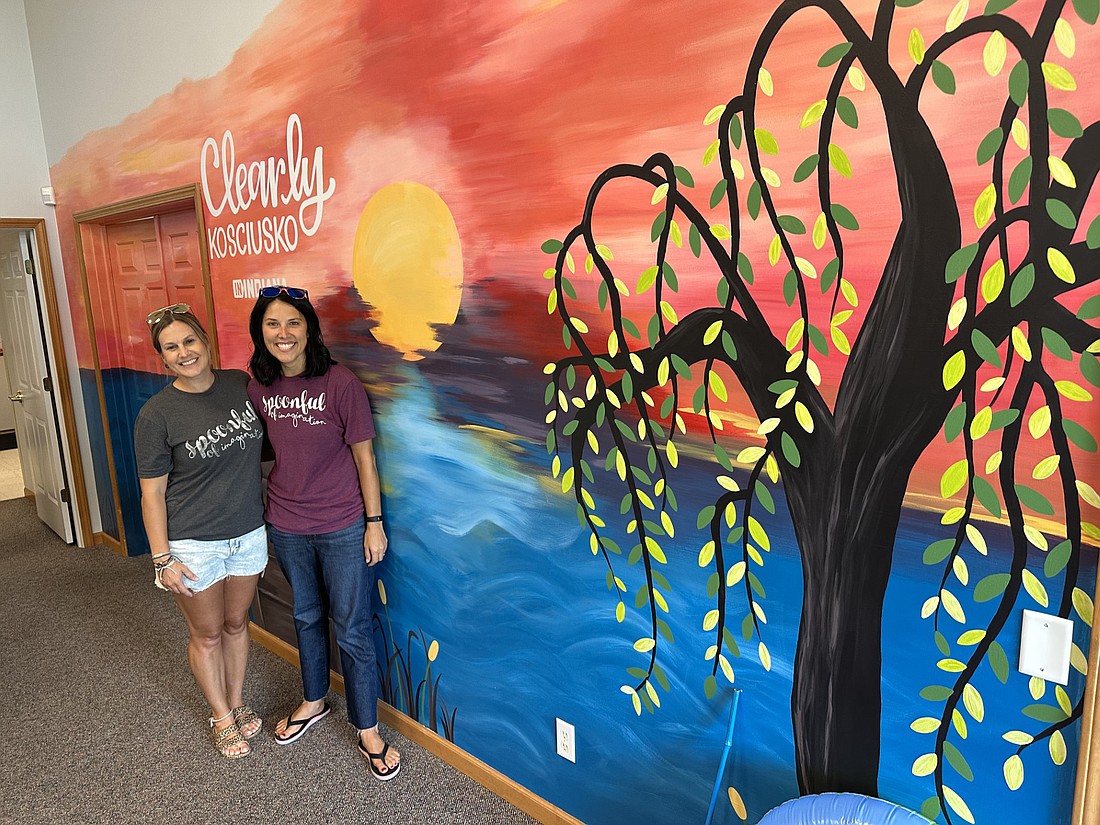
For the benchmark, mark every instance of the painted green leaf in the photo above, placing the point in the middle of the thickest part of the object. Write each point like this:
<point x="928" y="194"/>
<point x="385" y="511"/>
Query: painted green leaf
<point x="1022" y="284"/>
<point x="941" y="643"/>
<point x="987" y="496"/>
<point x="955" y="760"/>
<point x="728" y="346"/>
<point x="1044" y="713"/>
<point x="817" y="338"/>
<point x="1087" y="10"/>
<point x="764" y="496"/>
<point x="790" y="286"/>
<point x="790" y="450"/>
<point x="1092" y="237"/>
<point x="829" y="273"/>
<point x="843" y="216"/>
<point x="1057" y="559"/>
<point x="1034" y="500"/>
<point x="684" y="176"/>
<point x="991" y="587"/>
<point x="998" y="662"/>
<point x="954" y="422"/>
<point x="985" y="348"/>
<point x="930" y="808"/>
<point x="717" y="193"/>
<point x="805" y="169"/>
<point x="1018" y="80"/>
<point x="1090" y="368"/>
<point x="551" y="246"/>
<point x="937" y="551"/>
<point x="989" y="145"/>
<point x="997" y="6"/>
<point x="735" y="131"/>
<point x="1056" y="344"/>
<point x="1079" y="435"/>
<point x="943" y="77"/>
<point x="792" y="224"/>
<point x="959" y="262"/>
<point x="1019" y="179"/>
<point x="1061" y="214"/>
<point x="744" y="267"/>
<point x="658" y="225"/>
<point x="752" y="200"/>
<point x="847" y="111"/>
<point x="834" y="54"/>
<point x="935" y="693"/>
<point x="695" y="241"/>
<point x="1064" y="124"/>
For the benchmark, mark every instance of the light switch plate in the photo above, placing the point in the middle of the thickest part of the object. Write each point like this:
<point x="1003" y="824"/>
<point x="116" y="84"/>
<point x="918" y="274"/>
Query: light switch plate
<point x="1045" y="645"/>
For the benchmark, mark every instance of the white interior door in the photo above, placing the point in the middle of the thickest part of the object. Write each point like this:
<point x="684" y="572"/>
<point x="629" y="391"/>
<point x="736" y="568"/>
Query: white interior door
<point x="36" y="424"/>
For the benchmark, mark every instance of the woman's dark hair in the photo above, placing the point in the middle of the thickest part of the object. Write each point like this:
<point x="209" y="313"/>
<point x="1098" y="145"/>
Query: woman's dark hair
<point x="264" y="366"/>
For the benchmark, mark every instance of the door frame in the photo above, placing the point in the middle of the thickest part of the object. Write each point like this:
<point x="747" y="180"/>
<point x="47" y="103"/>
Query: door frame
<point x="90" y="223"/>
<point x="57" y="363"/>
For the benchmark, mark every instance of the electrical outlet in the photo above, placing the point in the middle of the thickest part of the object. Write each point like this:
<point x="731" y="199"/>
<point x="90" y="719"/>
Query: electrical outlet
<point x="565" y="737"/>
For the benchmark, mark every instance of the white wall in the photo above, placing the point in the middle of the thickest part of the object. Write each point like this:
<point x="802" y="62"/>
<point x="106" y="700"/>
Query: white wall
<point x="23" y="174"/>
<point x="97" y="61"/>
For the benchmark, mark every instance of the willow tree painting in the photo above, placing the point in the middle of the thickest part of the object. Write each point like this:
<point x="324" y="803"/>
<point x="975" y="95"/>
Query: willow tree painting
<point x="971" y="345"/>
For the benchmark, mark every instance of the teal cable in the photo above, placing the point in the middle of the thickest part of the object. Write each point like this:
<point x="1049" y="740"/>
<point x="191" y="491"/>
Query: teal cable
<point x="725" y="755"/>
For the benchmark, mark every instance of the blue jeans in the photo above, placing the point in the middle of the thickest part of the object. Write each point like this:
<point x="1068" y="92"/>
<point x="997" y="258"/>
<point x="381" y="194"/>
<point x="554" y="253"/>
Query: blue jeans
<point x="332" y="565"/>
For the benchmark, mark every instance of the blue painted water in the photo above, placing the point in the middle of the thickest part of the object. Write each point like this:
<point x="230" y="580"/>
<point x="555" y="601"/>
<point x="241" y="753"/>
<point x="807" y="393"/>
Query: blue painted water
<point x="489" y="560"/>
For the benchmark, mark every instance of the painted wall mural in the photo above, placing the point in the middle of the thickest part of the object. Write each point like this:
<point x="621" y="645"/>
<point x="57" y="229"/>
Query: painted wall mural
<point x="709" y="347"/>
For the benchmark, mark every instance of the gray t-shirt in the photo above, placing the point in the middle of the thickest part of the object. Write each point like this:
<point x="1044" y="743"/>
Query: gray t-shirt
<point x="208" y="444"/>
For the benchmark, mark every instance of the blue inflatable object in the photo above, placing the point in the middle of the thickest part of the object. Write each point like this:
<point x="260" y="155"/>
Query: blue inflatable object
<point x="841" y="809"/>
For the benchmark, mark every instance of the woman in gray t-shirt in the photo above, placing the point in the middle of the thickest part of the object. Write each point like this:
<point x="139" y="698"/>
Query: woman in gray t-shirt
<point x="198" y="456"/>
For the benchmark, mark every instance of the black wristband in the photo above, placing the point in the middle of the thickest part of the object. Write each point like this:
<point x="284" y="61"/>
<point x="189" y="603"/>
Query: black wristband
<point x="374" y="518"/>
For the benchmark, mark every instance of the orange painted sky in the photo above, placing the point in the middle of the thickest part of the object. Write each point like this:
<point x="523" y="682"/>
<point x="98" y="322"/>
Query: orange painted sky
<point x="509" y="110"/>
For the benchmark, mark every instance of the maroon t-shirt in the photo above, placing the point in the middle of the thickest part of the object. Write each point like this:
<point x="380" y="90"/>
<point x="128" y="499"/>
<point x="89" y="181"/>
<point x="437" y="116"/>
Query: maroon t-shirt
<point x="311" y="423"/>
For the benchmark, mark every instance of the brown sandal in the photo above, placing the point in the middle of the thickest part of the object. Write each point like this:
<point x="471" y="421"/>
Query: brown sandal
<point x="244" y="716"/>
<point x="228" y="737"/>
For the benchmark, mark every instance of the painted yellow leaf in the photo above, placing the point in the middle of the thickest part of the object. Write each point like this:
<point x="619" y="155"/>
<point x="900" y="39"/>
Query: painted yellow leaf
<point x="736" y="573"/>
<point x="953" y="516"/>
<point x="750" y="455"/>
<point x="706" y="554"/>
<point x="814" y="372"/>
<point x="770" y="177"/>
<point x="712" y="333"/>
<point x="994" y="54"/>
<point x="1064" y="702"/>
<point x="738" y="805"/>
<point x="759" y="535"/>
<point x="621" y="287"/>
<point x="958" y="14"/>
<point x="765" y="657"/>
<point x="738" y="169"/>
<point x="1082" y="603"/>
<point x="856" y="78"/>
<point x="803" y="415"/>
<point x="971" y="637"/>
<point x="819" y="231"/>
<point x="758" y="609"/>
<point x="977" y="539"/>
<point x="1036" y="538"/>
<point x="929" y="606"/>
<point x="840" y="340"/>
<point x="717" y="385"/>
<point x="766" y="426"/>
<point x="567" y="480"/>
<point x="951" y="665"/>
<point x="1020" y="344"/>
<point x="1019" y="133"/>
<point x="838" y="158"/>
<point x="620" y="466"/>
<point x="645" y="645"/>
<point x="659" y="600"/>
<point x="1057" y="746"/>
<point x="593" y="442"/>
<point x="961" y="571"/>
<point x="669" y="312"/>
<point x="771" y="467"/>
<point x="675" y="234"/>
<point x="954" y="369"/>
<point x="1046" y="467"/>
<point x="1018" y="737"/>
<point x="580" y="326"/>
<point x="926" y="724"/>
<point x="775" y="249"/>
<point x="957" y="313"/>
<point x="958" y="721"/>
<point x="710" y="153"/>
<point x="767" y="86"/>
<point x="993" y="281"/>
<point x="785" y="398"/>
<point x="956" y="803"/>
<point x="916" y="46"/>
<point x="805" y="267"/>
<point x="1039" y="422"/>
<point x="620" y="612"/>
<point x="980" y="425"/>
<point x="1088" y="493"/>
<point x="714" y="114"/>
<point x="972" y="701"/>
<point x="925" y="765"/>
<point x="1014" y="772"/>
<point x="813" y="114"/>
<point x="1078" y="661"/>
<point x="1065" y="39"/>
<point x="794" y="334"/>
<point x="992" y="384"/>
<point x="952" y="606"/>
<point x="659" y="194"/>
<point x="1037" y="687"/>
<point x="727" y="483"/>
<point x="849" y="293"/>
<point x="1059" y="77"/>
<point x="983" y="206"/>
<point x="1072" y="392"/>
<point x="673" y="455"/>
<point x="1060" y="171"/>
<point x="953" y="478"/>
<point x="1035" y="588"/>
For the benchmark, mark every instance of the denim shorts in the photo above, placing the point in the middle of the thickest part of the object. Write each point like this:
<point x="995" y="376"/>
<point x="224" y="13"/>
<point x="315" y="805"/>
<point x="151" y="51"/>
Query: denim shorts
<point x="213" y="561"/>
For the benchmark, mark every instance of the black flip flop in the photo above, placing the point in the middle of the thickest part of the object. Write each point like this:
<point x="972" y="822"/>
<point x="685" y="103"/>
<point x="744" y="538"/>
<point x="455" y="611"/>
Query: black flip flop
<point x="300" y="726"/>
<point x="385" y="773"/>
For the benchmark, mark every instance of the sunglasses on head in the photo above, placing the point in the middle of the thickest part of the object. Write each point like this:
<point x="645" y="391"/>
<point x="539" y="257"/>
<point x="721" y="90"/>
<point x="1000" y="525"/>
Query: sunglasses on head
<point x="157" y="315"/>
<point x="294" y="292"/>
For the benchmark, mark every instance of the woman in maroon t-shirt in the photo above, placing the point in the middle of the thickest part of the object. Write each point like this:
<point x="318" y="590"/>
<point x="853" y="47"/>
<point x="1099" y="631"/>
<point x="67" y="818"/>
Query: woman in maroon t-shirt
<point x="324" y="510"/>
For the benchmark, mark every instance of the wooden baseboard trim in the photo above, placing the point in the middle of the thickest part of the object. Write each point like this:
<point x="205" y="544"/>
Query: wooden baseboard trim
<point x="486" y="776"/>
<point x="110" y="542"/>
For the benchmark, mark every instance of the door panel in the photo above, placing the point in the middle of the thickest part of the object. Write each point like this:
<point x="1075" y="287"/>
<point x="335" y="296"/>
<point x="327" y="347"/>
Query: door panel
<point x="153" y="262"/>
<point x="37" y="430"/>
